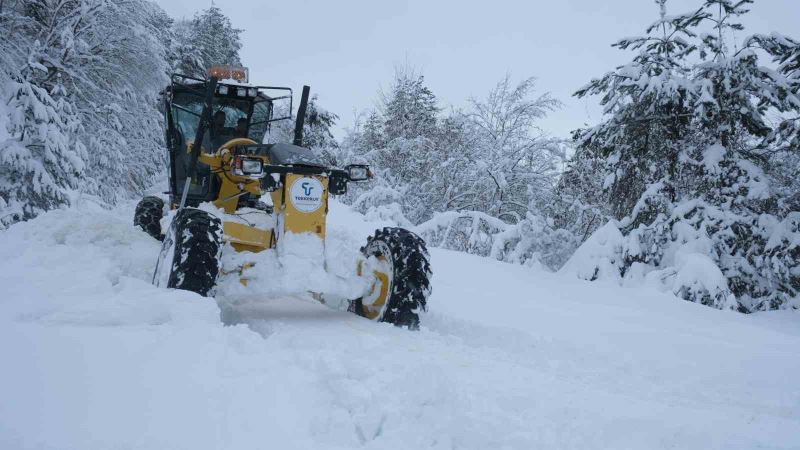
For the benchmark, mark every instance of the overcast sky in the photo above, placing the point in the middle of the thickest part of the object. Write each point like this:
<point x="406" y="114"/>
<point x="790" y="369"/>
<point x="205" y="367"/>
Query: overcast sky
<point x="348" y="50"/>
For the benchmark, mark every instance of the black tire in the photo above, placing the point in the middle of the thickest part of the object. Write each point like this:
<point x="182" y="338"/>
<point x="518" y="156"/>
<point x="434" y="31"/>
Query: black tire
<point x="410" y="279"/>
<point x="148" y="216"/>
<point x="190" y="253"/>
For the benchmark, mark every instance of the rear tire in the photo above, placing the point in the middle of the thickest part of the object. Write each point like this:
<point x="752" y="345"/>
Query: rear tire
<point x="148" y="216"/>
<point x="190" y="253"/>
<point x="399" y="294"/>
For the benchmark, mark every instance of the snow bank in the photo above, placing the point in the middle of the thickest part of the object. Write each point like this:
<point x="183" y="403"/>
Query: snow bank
<point x="87" y="268"/>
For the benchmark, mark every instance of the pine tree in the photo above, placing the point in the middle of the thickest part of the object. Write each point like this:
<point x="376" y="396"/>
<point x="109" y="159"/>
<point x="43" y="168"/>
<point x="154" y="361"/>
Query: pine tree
<point x="409" y="123"/>
<point x="687" y="161"/>
<point x="373" y="137"/>
<point x="40" y="160"/>
<point x="186" y="56"/>
<point x="784" y="140"/>
<point x="213" y="34"/>
<point x="579" y="203"/>
<point x="649" y="105"/>
<point x="317" y="130"/>
<point x="736" y="94"/>
<point x="410" y="109"/>
<point x="207" y="39"/>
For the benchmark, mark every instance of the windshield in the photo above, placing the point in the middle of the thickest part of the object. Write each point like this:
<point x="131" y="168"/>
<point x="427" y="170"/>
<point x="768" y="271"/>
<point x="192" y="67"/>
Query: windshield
<point x="231" y="118"/>
<point x="238" y="121"/>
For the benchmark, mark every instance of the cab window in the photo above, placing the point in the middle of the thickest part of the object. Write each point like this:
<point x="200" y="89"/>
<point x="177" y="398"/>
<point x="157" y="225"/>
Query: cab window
<point x="259" y="122"/>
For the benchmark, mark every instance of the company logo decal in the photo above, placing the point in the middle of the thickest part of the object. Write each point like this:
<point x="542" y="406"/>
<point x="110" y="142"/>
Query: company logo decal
<point x="306" y="194"/>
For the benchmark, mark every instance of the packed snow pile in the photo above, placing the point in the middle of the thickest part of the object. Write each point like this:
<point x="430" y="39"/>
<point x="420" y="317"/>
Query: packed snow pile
<point x="508" y="356"/>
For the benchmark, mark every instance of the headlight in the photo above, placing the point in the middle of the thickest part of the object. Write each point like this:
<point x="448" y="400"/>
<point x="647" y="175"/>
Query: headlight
<point x="248" y="167"/>
<point x="358" y="172"/>
<point x="251" y="166"/>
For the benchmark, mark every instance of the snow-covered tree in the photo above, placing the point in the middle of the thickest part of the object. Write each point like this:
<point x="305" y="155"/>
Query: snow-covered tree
<point x="784" y="141"/>
<point x="81" y="80"/>
<point x="207" y="39"/>
<point x="648" y="106"/>
<point x="317" y="129"/>
<point x="410" y="109"/>
<point x="372" y="134"/>
<point x="686" y="151"/>
<point x="579" y="203"/>
<point x="399" y="141"/>
<point x="476" y="180"/>
<point x="490" y="158"/>
<point x="514" y="158"/>
<point x="118" y="100"/>
<point x="40" y="162"/>
<point x="186" y="56"/>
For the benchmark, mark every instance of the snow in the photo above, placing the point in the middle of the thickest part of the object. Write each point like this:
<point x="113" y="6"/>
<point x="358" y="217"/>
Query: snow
<point x="4" y="122"/>
<point x="508" y="357"/>
<point x="712" y="156"/>
<point x="785" y="231"/>
<point x="300" y="264"/>
<point x="698" y="272"/>
<point x="595" y="258"/>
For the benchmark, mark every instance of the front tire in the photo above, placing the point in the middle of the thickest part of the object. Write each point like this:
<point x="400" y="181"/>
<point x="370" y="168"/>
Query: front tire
<point x="148" y="216"/>
<point x="399" y="261"/>
<point x="190" y="253"/>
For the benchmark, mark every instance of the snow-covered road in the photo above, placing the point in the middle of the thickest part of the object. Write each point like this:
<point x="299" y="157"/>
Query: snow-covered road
<point x="94" y="357"/>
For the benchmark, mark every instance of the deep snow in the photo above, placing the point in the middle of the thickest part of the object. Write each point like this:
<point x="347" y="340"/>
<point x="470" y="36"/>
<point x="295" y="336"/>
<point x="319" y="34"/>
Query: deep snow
<point x="94" y="357"/>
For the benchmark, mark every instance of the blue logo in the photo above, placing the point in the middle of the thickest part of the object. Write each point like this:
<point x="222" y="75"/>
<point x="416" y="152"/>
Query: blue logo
<point x="306" y="188"/>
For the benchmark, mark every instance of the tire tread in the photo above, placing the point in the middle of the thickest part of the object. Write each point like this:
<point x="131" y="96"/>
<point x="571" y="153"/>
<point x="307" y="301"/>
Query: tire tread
<point x="148" y="214"/>
<point x="198" y="242"/>
<point x="410" y="278"/>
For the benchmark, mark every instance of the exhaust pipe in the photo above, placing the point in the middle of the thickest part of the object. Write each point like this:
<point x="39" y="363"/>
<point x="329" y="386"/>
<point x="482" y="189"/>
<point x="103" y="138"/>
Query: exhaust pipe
<point x="301" y="117"/>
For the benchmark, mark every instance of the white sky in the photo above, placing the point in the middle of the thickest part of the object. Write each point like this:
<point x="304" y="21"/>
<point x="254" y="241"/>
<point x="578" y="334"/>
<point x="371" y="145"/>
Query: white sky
<point x="347" y="50"/>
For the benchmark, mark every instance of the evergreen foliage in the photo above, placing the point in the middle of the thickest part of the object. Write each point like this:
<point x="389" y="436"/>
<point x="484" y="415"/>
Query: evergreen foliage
<point x="207" y="39"/>
<point x="688" y="155"/>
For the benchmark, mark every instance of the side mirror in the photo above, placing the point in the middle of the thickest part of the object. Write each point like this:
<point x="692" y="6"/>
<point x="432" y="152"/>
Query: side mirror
<point x="358" y="172"/>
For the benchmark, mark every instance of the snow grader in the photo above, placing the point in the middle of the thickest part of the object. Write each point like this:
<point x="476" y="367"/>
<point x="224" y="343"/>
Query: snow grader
<point x="220" y="170"/>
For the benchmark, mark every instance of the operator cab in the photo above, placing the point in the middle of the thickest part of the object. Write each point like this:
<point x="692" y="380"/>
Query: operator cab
<point x="240" y="110"/>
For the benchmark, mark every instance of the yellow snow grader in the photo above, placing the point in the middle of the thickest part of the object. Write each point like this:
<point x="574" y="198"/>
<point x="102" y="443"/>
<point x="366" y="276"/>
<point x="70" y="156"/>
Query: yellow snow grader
<point x="220" y="170"/>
